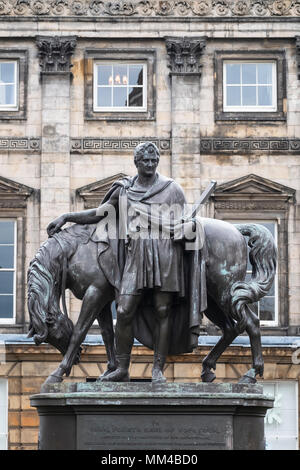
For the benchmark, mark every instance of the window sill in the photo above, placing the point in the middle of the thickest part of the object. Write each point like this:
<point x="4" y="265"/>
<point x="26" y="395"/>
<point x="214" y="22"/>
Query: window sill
<point x="243" y="116"/>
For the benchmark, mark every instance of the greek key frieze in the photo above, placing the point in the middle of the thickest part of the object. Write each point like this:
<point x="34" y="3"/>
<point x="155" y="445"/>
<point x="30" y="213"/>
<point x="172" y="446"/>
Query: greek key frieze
<point x="94" y="145"/>
<point x="215" y="145"/>
<point x="16" y="143"/>
<point x="151" y="8"/>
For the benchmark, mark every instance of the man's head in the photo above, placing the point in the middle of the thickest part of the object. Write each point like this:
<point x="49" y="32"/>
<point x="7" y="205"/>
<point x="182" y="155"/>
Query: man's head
<point x="146" y="158"/>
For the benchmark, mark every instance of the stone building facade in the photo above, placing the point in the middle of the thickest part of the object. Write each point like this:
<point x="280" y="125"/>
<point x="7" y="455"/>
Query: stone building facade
<point x="215" y="84"/>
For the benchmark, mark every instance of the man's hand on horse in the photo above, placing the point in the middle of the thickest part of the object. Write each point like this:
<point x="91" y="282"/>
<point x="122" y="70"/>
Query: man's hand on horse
<point x="184" y="230"/>
<point x="55" y="225"/>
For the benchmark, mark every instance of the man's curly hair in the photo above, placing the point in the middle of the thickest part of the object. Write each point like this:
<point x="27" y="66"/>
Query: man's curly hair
<point x="144" y="147"/>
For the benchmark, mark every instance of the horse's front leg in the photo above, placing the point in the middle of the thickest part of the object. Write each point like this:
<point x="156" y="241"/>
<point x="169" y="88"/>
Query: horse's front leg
<point x="105" y="321"/>
<point x="92" y="302"/>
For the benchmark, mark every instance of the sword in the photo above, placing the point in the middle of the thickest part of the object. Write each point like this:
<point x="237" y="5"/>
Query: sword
<point x="203" y="199"/>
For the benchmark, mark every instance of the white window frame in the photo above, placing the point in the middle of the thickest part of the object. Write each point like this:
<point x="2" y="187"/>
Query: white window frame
<point x="275" y="322"/>
<point x="4" y="407"/>
<point x="250" y="109"/>
<point x="10" y="321"/>
<point x="123" y="109"/>
<point x="15" y="105"/>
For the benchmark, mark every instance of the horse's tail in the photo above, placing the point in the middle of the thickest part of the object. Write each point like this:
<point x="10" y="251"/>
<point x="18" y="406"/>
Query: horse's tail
<point x="263" y="256"/>
<point x="47" y="322"/>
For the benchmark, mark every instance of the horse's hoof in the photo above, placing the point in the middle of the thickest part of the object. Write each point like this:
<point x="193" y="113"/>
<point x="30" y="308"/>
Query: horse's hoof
<point x="249" y="377"/>
<point x="52" y="379"/>
<point x="247" y="380"/>
<point x="158" y="378"/>
<point x="208" y="376"/>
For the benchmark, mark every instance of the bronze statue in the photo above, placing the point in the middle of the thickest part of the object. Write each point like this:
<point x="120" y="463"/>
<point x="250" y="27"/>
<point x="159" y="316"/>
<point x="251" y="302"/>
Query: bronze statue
<point x="162" y="284"/>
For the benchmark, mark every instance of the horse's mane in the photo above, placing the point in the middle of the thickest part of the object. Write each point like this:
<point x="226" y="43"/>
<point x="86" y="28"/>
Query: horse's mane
<point x="44" y="275"/>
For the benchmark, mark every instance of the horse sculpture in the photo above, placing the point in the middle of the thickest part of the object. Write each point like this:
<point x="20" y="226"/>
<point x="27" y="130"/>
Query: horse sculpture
<point x="58" y="266"/>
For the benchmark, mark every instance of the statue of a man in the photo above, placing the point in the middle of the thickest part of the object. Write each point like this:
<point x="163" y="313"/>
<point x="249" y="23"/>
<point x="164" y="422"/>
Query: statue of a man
<point x="161" y="290"/>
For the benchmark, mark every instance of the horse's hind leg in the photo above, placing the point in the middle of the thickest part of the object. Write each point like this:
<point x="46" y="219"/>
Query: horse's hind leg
<point x="209" y="362"/>
<point x="230" y="330"/>
<point x="107" y="331"/>
<point x="253" y="331"/>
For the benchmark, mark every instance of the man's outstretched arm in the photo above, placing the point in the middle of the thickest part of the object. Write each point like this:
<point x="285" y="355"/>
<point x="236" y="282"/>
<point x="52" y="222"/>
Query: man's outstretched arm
<point x="90" y="216"/>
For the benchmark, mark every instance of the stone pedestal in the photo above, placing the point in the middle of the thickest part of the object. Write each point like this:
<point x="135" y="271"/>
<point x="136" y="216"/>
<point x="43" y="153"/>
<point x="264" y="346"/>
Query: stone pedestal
<point x="173" y="416"/>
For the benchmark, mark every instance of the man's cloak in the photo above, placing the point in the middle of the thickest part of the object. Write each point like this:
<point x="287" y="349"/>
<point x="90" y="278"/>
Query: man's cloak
<point x="186" y="313"/>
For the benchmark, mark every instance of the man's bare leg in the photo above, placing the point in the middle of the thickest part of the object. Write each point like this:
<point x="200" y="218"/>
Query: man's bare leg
<point x="124" y="338"/>
<point x="162" y="305"/>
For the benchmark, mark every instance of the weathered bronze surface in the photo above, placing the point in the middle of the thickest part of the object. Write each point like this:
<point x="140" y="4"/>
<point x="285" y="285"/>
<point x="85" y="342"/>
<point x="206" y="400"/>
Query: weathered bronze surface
<point x="162" y="288"/>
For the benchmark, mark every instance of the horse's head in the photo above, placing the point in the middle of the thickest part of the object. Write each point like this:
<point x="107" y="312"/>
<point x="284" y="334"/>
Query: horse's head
<point x="45" y="278"/>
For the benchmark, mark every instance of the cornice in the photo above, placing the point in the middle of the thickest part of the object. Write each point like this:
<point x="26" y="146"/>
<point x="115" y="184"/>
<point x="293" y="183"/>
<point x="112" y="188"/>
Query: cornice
<point x="150" y="8"/>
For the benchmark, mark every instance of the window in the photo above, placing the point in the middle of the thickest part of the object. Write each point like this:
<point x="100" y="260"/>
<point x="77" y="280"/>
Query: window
<point x="120" y="87"/>
<point x="7" y="270"/>
<point x="281" y="421"/>
<point x="249" y="86"/>
<point x="267" y="308"/>
<point x="120" y="84"/>
<point x="3" y="413"/>
<point x="8" y="85"/>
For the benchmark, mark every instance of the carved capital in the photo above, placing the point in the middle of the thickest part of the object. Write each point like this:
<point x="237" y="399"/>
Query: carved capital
<point x="184" y="55"/>
<point x="55" y="53"/>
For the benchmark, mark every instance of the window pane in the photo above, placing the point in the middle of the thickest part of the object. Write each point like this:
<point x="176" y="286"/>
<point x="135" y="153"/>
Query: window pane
<point x="264" y="73"/>
<point x="233" y="96"/>
<point x="6" y="257"/>
<point x="120" y="71"/>
<point x="233" y="74"/>
<point x="104" y="96"/>
<point x="6" y="306"/>
<point x="120" y="97"/>
<point x="9" y="94"/>
<point x="6" y="282"/>
<point x="267" y="309"/>
<point x="249" y="73"/>
<point x="135" y="75"/>
<point x="135" y="96"/>
<point x="265" y="96"/>
<point x="7" y="231"/>
<point x="7" y="72"/>
<point x="104" y="75"/>
<point x="249" y="95"/>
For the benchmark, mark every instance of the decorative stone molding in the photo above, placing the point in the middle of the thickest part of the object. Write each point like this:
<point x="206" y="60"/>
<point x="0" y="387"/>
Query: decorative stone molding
<point x="13" y="194"/>
<point x="55" y="53"/>
<point x="269" y="145"/>
<point x="298" y="55"/>
<point x="94" y="145"/>
<point x="20" y="143"/>
<point x="151" y="8"/>
<point x="184" y="55"/>
<point x="252" y="192"/>
<point x="92" y="194"/>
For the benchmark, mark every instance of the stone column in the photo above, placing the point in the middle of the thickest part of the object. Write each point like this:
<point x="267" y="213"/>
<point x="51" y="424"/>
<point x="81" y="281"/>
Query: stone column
<point x="55" y="54"/>
<point x="185" y="71"/>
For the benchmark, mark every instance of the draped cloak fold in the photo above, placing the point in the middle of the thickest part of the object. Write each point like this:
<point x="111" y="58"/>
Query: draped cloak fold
<point x="132" y="266"/>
